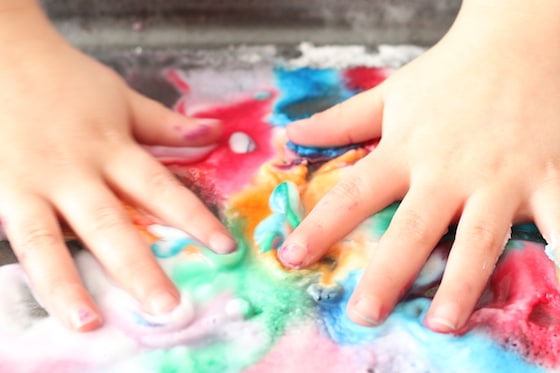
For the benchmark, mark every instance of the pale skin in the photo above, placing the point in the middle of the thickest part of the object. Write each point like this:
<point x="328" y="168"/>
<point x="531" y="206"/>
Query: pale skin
<point x="470" y="133"/>
<point x="71" y="135"/>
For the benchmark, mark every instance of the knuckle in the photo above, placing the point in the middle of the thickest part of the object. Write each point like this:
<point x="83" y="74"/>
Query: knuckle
<point x="347" y="192"/>
<point x="162" y="183"/>
<point x="484" y="237"/>
<point x="57" y="156"/>
<point x="108" y="218"/>
<point x="36" y="236"/>
<point x="497" y="165"/>
<point x="551" y="175"/>
<point x="109" y="135"/>
<point x="413" y="224"/>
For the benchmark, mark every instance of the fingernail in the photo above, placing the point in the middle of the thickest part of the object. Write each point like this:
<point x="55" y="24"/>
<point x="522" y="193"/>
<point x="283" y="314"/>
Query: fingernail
<point x="444" y="319"/>
<point x="367" y="311"/>
<point x="162" y="303"/>
<point x="84" y="318"/>
<point x="203" y="128"/>
<point x="293" y="255"/>
<point x="221" y="243"/>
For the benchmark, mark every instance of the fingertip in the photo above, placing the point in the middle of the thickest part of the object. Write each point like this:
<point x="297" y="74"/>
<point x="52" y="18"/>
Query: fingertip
<point x="199" y="131"/>
<point x="443" y="318"/>
<point x="365" y="311"/>
<point x="294" y="255"/>
<point x="439" y="325"/>
<point x="221" y="243"/>
<point x="163" y="302"/>
<point x="294" y="129"/>
<point x="156" y="124"/>
<point x="214" y="124"/>
<point x="85" y="318"/>
<point x="76" y="308"/>
<point x="353" y="121"/>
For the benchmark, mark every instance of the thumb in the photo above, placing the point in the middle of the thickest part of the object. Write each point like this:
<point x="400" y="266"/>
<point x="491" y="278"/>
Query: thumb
<point x="154" y="124"/>
<point x="355" y="120"/>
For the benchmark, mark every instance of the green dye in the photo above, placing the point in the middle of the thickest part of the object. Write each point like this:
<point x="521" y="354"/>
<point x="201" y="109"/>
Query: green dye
<point x="378" y="223"/>
<point x="276" y="298"/>
<point x="287" y="198"/>
<point x="269" y="242"/>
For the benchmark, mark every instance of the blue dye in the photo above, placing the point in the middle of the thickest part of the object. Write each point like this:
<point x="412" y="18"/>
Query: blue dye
<point x="169" y="248"/>
<point x="305" y="92"/>
<point x="472" y="352"/>
<point x="315" y="152"/>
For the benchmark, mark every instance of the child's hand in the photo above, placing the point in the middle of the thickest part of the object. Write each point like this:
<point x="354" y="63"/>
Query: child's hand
<point x="470" y="131"/>
<point x="69" y="128"/>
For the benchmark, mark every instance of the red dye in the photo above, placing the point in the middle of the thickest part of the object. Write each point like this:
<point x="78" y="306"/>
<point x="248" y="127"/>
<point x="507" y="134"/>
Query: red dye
<point x="363" y="78"/>
<point x="524" y="311"/>
<point x="181" y="105"/>
<point x="174" y="77"/>
<point x="224" y="167"/>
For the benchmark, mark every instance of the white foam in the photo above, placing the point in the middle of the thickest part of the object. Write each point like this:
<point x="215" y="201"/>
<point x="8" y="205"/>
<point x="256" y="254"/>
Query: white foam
<point x="344" y="56"/>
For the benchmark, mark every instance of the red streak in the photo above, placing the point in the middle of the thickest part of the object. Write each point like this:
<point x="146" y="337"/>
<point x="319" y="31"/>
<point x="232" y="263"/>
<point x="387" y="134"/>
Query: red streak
<point x="363" y="78"/>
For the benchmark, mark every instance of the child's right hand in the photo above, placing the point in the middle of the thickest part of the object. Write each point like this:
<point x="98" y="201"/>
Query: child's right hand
<point x="70" y="129"/>
<point x="469" y="135"/>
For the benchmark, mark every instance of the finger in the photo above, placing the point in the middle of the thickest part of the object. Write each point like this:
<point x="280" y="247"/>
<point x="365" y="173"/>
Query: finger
<point x="482" y="232"/>
<point x="356" y="120"/>
<point x="417" y="226"/>
<point x="545" y="206"/>
<point x="154" y="124"/>
<point x="152" y="186"/>
<point x="369" y="186"/>
<point x="100" y="221"/>
<point x="36" y="239"/>
<point x="184" y="155"/>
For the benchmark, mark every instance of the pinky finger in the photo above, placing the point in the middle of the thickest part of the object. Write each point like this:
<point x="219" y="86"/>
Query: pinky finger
<point x="36" y="239"/>
<point x="481" y="236"/>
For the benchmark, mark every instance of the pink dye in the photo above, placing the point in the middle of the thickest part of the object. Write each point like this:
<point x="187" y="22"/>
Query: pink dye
<point x="234" y="170"/>
<point x="175" y="78"/>
<point x="524" y="312"/>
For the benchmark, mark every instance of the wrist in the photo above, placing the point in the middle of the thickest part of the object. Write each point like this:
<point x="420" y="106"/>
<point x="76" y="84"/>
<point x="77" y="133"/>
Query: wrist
<point x="23" y="23"/>
<point x="532" y="24"/>
<point x="515" y="32"/>
<point x="26" y="36"/>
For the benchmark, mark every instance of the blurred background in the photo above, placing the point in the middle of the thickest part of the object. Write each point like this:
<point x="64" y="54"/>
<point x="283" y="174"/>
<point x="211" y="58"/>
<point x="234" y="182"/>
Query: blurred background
<point x="109" y="24"/>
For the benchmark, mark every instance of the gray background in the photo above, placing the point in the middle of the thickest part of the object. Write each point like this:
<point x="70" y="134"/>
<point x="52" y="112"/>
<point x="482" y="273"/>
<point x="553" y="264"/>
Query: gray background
<point x="106" y="24"/>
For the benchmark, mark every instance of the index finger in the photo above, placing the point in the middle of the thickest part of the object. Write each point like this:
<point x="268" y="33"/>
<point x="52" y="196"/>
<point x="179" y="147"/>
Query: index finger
<point x="370" y="185"/>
